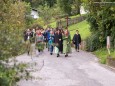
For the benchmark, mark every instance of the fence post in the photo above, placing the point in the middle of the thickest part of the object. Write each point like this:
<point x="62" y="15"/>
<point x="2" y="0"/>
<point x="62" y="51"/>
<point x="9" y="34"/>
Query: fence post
<point x="108" y="44"/>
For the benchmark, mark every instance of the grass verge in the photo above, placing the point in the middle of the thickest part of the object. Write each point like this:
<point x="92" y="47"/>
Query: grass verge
<point x="103" y="53"/>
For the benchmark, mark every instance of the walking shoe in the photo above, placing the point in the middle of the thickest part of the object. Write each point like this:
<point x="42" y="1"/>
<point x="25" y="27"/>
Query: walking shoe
<point x="58" y="55"/>
<point x="51" y="53"/>
<point x="66" y="55"/>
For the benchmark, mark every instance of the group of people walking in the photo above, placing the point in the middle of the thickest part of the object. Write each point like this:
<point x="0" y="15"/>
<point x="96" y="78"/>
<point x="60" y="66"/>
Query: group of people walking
<point x="56" y="40"/>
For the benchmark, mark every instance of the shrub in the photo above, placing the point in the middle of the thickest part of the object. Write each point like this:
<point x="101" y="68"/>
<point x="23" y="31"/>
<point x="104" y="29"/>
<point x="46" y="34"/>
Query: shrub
<point x="92" y="43"/>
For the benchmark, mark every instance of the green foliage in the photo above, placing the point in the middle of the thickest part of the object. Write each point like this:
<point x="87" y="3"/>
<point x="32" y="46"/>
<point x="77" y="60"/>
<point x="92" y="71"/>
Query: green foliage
<point x="37" y="3"/>
<point x="12" y="75"/>
<point x="70" y="7"/>
<point x="92" y="42"/>
<point x="102" y="19"/>
<point x="65" y="5"/>
<point x="12" y="24"/>
<point x="39" y="22"/>
<point x="76" y="5"/>
<point x="50" y="3"/>
<point x="45" y="13"/>
<point x="53" y="25"/>
<point x="11" y="28"/>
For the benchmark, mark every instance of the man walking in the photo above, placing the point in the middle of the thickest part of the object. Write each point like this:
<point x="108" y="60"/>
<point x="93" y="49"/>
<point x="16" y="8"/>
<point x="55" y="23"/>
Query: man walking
<point x="77" y="40"/>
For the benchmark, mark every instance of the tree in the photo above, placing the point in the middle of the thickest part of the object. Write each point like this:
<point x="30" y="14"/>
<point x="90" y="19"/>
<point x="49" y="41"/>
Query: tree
<point x="77" y="4"/>
<point x="65" y="6"/>
<point x="50" y="3"/>
<point x="102" y="20"/>
<point x="12" y="25"/>
<point x="37" y="3"/>
<point x="45" y="13"/>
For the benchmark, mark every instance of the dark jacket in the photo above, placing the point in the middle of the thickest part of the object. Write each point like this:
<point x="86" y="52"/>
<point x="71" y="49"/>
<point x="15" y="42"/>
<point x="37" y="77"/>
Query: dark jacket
<point x="26" y="35"/>
<point x="45" y="36"/>
<point x="60" y="38"/>
<point x="77" y="39"/>
<point x="56" y="38"/>
<point x="59" y="41"/>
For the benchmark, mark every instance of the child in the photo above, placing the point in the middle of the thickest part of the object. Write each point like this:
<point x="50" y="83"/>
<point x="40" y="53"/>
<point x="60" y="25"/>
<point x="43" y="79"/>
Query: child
<point x="77" y="40"/>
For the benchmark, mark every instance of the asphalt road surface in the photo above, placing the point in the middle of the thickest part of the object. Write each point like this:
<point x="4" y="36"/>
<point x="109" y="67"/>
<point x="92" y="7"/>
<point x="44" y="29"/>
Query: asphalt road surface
<point x="79" y="69"/>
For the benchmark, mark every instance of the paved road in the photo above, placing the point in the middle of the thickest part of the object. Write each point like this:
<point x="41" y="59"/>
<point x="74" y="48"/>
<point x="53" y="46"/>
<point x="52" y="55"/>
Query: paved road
<point x="79" y="69"/>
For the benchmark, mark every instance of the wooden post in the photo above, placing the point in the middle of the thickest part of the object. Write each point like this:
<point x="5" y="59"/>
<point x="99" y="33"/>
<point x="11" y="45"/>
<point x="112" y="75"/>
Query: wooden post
<point x="67" y="21"/>
<point x="108" y="44"/>
<point x="67" y="18"/>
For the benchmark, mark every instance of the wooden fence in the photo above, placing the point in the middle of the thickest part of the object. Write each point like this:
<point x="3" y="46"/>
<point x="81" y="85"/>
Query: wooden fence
<point x="72" y="21"/>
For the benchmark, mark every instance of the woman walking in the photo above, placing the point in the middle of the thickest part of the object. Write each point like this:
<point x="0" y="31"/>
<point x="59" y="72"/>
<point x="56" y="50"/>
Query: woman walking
<point x="60" y="41"/>
<point x="39" y="41"/>
<point x="27" y="40"/>
<point x="66" y="42"/>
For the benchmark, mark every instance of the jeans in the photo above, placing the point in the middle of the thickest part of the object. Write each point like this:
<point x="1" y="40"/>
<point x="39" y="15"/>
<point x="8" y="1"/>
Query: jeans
<point x="51" y="48"/>
<point x="77" y="46"/>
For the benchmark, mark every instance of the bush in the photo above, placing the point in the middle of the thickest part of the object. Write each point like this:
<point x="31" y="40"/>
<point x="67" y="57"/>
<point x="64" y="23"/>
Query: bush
<point x="12" y="25"/>
<point x="12" y="75"/>
<point x="92" y="43"/>
<point x="101" y="18"/>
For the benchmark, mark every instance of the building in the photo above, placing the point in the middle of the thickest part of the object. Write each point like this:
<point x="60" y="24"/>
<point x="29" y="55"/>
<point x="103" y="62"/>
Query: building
<point x="34" y="14"/>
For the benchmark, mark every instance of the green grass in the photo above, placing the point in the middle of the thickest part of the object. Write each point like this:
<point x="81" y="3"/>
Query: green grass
<point x="53" y="24"/>
<point x="74" y="16"/>
<point x="83" y="28"/>
<point x="103" y="53"/>
<point x="113" y="54"/>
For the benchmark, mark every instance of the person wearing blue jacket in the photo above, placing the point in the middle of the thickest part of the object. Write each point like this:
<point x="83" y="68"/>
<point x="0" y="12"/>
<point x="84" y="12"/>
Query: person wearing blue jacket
<point x="51" y="42"/>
